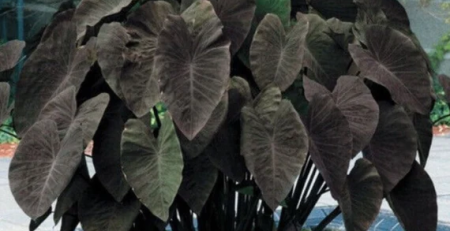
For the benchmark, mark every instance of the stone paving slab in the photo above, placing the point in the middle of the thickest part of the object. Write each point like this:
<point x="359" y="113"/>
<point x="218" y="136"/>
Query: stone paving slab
<point x="13" y="219"/>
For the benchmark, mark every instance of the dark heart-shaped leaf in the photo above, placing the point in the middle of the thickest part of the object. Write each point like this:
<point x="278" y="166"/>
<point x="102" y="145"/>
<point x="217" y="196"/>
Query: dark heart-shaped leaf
<point x="89" y="115"/>
<point x="106" y="150"/>
<point x="34" y="224"/>
<point x="43" y="166"/>
<point x="313" y="88"/>
<point x="276" y="56"/>
<point x="70" y="219"/>
<point x="361" y="201"/>
<point x="161" y="157"/>
<point x="241" y="85"/>
<point x="192" y="148"/>
<point x="99" y="211"/>
<point x="330" y="141"/>
<point x="393" y="146"/>
<point x="396" y="14"/>
<point x="355" y="101"/>
<point x="344" y="10"/>
<point x="126" y="54"/>
<point x="111" y="43"/>
<point x="10" y="53"/>
<point x="62" y="108"/>
<point x="274" y="150"/>
<point x="193" y="70"/>
<point x="267" y="103"/>
<point x="393" y="61"/>
<point x="199" y="178"/>
<point x="236" y="16"/>
<point x="224" y="149"/>
<point x="72" y="193"/>
<point x="90" y="12"/>
<point x="4" y="100"/>
<point x="445" y="83"/>
<point x="55" y="65"/>
<point x="414" y="200"/>
<point x="341" y="32"/>
<point x="424" y="129"/>
<point x="324" y="58"/>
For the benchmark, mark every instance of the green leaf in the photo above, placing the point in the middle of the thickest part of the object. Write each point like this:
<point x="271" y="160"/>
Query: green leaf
<point x="48" y="163"/>
<point x="275" y="55"/>
<point x="194" y="69"/>
<point x="162" y="160"/>
<point x="4" y="100"/>
<point x="281" y="8"/>
<point x="274" y="146"/>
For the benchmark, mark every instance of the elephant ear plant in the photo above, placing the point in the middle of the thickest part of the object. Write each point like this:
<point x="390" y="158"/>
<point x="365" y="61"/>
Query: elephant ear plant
<point x="228" y="115"/>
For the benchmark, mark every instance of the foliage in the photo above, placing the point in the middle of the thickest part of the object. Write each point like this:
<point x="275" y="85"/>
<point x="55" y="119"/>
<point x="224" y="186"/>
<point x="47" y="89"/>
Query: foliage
<point x="184" y="127"/>
<point x="441" y="108"/>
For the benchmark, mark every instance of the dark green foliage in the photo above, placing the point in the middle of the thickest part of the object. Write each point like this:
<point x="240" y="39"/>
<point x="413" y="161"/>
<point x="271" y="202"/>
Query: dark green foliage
<point x="177" y="135"/>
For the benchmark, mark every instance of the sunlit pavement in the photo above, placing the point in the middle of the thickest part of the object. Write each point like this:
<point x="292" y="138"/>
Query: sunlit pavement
<point x="13" y="219"/>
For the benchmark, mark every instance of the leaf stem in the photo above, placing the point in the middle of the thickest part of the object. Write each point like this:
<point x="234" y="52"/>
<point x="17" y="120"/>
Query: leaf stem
<point x="10" y="134"/>
<point x="440" y="119"/>
<point x="328" y="219"/>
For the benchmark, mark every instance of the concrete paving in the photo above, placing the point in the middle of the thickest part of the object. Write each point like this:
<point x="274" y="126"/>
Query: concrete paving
<point x="13" y="219"/>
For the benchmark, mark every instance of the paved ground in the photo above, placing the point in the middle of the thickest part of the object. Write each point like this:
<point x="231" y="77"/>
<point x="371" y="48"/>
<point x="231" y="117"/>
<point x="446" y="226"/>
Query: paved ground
<point x="13" y="219"/>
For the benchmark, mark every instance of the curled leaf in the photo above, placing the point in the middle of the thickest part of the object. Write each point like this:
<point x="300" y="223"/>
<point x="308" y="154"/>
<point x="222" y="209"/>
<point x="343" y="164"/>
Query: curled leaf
<point x="393" y="61"/>
<point x="90" y="12"/>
